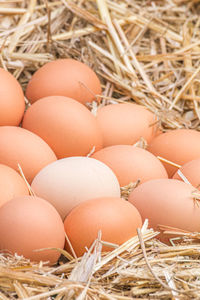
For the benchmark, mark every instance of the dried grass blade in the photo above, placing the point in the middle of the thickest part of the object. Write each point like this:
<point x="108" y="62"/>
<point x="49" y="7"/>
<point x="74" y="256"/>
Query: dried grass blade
<point x="184" y="88"/>
<point x="16" y="36"/>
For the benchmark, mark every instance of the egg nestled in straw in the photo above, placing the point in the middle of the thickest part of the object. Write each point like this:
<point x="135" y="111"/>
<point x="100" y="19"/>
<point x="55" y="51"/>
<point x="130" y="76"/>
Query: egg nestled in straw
<point x="12" y="103"/>
<point x="28" y="224"/>
<point x="11" y="184"/>
<point x="190" y="172"/>
<point x="177" y="146"/>
<point x="66" y="125"/>
<point x="22" y="147"/>
<point x="167" y="202"/>
<point x="115" y="218"/>
<point x="126" y="124"/>
<point x="131" y="164"/>
<point x="70" y="181"/>
<point x="64" y="77"/>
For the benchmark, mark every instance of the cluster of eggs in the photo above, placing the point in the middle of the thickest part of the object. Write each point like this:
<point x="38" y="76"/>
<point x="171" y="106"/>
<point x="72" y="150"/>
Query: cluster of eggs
<point x="75" y="163"/>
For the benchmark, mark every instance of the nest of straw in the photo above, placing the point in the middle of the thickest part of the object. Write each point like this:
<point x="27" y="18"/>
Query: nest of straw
<point x="146" y="51"/>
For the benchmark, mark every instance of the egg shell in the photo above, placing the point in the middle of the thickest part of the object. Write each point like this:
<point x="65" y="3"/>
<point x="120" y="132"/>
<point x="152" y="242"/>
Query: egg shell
<point x="20" y="146"/>
<point x="178" y="146"/>
<point x="67" y="126"/>
<point x="125" y="124"/>
<point x="64" y="77"/>
<point x="70" y="181"/>
<point x="167" y="202"/>
<point x="12" y="103"/>
<point x="11" y="184"/>
<point x="117" y="219"/>
<point x="191" y="170"/>
<point x="28" y="224"/>
<point x="130" y="163"/>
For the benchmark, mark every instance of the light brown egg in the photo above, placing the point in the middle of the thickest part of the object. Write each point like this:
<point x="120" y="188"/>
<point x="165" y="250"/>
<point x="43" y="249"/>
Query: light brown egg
<point x="125" y="124"/>
<point x="12" y="103"/>
<point x="11" y="184"/>
<point x="178" y="146"/>
<point x="67" y="126"/>
<point x="28" y="224"/>
<point x="64" y="77"/>
<point x="190" y="170"/>
<point x="117" y="219"/>
<point x="131" y="163"/>
<point x="167" y="202"/>
<point x="70" y="181"/>
<point x="20" y="146"/>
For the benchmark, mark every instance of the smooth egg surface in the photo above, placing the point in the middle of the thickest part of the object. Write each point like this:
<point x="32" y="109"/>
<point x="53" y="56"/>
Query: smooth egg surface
<point x="70" y="181"/>
<point x="12" y="102"/>
<point x="116" y="218"/>
<point x="19" y="146"/>
<point x="178" y="146"/>
<point x="130" y="163"/>
<point x="126" y="124"/>
<point x="190" y="171"/>
<point x="64" y="77"/>
<point x="167" y="202"/>
<point x="11" y="184"/>
<point x="28" y="224"/>
<point x="66" y="125"/>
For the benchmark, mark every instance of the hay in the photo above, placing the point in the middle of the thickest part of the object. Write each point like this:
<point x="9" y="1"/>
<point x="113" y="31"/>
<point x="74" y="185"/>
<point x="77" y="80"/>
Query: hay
<point x="143" y="51"/>
<point x="133" y="269"/>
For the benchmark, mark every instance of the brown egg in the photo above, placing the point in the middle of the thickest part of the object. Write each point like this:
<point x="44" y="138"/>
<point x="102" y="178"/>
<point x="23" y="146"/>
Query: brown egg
<point x="131" y="163"/>
<point x="167" y="202"/>
<point x="20" y="146"/>
<point x="64" y="77"/>
<point x="65" y="125"/>
<point x="125" y="124"/>
<point x="178" y="146"/>
<point x="12" y="103"/>
<point x="115" y="217"/>
<point x="11" y="184"/>
<point x="72" y="180"/>
<point x="28" y="224"/>
<point x="191" y="171"/>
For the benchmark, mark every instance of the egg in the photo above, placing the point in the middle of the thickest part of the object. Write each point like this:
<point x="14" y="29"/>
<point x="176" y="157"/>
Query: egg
<point x="131" y="163"/>
<point x="190" y="170"/>
<point x="178" y="146"/>
<point x="167" y="202"/>
<point x="70" y="181"/>
<point x="64" y="77"/>
<point x="20" y="146"/>
<point x="12" y="103"/>
<point x="125" y="124"/>
<point x="11" y="184"/>
<point x="28" y="224"/>
<point x="116" y="218"/>
<point x="67" y="126"/>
